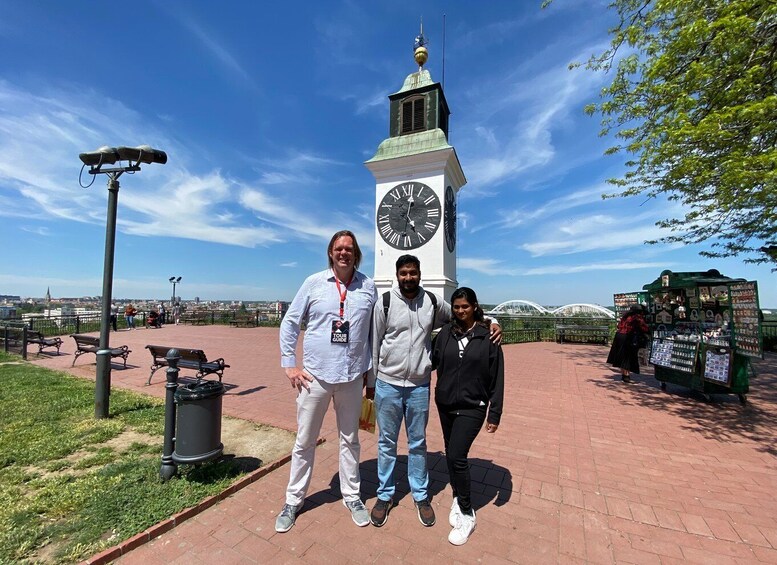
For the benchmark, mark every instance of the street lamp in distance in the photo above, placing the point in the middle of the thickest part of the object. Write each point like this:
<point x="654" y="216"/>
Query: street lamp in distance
<point x="175" y="281"/>
<point x="108" y="161"/>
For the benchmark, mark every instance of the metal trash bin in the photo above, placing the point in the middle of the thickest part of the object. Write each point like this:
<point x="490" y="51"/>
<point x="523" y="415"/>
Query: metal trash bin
<point x="198" y="426"/>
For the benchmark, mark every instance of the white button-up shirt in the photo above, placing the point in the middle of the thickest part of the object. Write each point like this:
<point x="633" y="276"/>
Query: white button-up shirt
<point x="318" y="303"/>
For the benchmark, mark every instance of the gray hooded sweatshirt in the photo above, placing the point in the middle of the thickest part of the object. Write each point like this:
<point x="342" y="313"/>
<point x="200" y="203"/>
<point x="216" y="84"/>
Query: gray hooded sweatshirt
<point x="402" y="341"/>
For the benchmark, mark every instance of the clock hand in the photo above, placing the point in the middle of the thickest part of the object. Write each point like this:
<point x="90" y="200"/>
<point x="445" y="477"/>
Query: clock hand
<point x="410" y="203"/>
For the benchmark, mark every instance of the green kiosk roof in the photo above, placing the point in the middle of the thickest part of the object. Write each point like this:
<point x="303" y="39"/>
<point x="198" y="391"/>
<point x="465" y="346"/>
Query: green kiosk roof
<point x="689" y="279"/>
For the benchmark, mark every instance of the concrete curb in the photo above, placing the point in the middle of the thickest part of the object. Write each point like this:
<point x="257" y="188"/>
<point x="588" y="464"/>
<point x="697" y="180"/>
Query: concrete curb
<point x="113" y="553"/>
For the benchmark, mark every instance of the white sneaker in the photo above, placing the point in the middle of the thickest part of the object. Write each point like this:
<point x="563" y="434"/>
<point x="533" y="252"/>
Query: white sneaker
<point x="455" y="512"/>
<point x="465" y="525"/>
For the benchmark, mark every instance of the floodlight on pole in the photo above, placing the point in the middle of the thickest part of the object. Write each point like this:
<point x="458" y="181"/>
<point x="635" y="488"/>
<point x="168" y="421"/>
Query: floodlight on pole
<point x="108" y="160"/>
<point x="174" y="282"/>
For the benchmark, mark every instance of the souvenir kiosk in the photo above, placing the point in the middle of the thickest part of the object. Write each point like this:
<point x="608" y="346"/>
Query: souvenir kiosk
<point x="705" y="328"/>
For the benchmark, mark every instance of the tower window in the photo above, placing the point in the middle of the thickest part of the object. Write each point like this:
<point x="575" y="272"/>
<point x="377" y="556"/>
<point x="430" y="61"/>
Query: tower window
<point x="413" y="115"/>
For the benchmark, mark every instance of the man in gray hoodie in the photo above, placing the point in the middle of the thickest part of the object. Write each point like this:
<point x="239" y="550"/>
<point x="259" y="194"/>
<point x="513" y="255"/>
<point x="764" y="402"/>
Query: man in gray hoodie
<point x="400" y="382"/>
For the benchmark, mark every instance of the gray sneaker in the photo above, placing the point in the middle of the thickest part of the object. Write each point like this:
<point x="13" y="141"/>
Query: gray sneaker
<point x="358" y="512"/>
<point x="286" y="518"/>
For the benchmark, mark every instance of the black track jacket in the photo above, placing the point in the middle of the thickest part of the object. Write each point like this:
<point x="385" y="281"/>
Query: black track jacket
<point x="478" y="376"/>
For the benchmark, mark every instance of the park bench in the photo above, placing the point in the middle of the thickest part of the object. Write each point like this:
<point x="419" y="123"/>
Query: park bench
<point x="194" y="359"/>
<point x="195" y="318"/>
<point x="91" y="344"/>
<point x="42" y="342"/>
<point x="582" y="334"/>
<point x="243" y="322"/>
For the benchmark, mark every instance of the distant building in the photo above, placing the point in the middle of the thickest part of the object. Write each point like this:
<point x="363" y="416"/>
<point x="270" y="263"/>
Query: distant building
<point x="7" y="312"/>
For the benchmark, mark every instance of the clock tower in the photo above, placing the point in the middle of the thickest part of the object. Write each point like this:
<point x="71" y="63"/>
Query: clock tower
<point x="417" y="180"/>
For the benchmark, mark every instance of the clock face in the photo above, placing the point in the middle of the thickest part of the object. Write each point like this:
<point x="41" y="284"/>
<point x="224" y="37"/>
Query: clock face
<point x="409" y="215"/>
<point x="450" y="219"/>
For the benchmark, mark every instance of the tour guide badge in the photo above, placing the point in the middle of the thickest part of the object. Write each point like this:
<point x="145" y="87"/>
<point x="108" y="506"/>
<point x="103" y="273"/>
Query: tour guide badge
<point x="340" y="331"/>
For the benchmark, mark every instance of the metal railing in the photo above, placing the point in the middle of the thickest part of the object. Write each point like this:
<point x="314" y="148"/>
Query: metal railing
<point x="769" y="332"/>
<point x="522" y="329"/>
<point x="85" y="323"/>
<point x="516" y="329"/>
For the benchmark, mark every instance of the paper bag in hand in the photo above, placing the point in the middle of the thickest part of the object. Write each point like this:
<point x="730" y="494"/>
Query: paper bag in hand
<point x="367" y="418"/>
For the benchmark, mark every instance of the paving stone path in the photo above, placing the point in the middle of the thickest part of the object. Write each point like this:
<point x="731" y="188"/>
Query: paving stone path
<point x="583" y="469"/>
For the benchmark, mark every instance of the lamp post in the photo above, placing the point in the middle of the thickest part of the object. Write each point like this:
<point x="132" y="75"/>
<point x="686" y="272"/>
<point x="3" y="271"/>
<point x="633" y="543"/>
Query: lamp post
<point x="175" y="281"/>
<point x="96" y="161"/>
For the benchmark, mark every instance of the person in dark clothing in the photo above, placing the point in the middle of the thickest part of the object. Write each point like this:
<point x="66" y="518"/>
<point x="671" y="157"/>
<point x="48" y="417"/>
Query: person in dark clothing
<point x="153" y="319"/>
<point x="469" y="392"/>
<point x="631" y="335"/>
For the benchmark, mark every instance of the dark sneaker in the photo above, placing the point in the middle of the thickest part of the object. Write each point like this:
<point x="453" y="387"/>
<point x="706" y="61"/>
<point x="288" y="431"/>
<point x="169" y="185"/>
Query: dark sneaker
<point x="380" y="512"/>
<point x="287" y="517"/>
<point x="425" y="512"/>
<point x="359" y="512"/>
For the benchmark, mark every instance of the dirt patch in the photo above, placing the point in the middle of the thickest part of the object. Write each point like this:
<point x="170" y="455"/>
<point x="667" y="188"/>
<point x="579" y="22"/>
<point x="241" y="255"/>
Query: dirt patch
<point x="252" y="446"/>
<point x="245" y="439"/>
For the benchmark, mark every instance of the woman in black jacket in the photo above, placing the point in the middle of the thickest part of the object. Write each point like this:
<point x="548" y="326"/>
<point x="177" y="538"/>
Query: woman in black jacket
<point x="469" y="391"/>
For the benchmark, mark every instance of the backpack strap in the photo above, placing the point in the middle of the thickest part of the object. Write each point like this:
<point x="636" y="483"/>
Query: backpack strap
<point x="433" y="298"/>
<point x="386" y="302"/>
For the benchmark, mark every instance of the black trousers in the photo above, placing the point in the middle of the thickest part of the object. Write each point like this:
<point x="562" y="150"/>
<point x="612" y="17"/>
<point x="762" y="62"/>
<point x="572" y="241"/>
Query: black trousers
<point x="459" y="430"/>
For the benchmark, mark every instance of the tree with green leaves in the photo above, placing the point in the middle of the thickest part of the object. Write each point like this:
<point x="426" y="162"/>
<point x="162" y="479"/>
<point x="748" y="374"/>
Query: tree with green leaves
<point x="693" y="103"/>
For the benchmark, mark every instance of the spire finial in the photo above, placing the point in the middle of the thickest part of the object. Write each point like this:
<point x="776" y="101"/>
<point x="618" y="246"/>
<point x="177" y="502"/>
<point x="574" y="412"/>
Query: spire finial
<point x="420" y="52"/>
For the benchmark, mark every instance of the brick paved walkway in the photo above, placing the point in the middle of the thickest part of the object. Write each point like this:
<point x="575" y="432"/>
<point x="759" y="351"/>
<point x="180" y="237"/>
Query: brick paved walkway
<point x="583" y="469"/>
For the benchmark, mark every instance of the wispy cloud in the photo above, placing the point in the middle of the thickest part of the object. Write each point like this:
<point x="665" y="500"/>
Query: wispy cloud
<point x="367" y="103"/>
<point x="516" y="120"/>
<point x="40" y="230"/>
<point x="487" y="266"/>
<point x="592" y="234"/>
<point x="290" y="264"/>
<point x="516" y="217"/>
<point x="298" y="222"/>
<point x="41" y="135"/>
<point x="214" y="47"/>
<point x="613" y="266"/>
<point x="496" y="267"/>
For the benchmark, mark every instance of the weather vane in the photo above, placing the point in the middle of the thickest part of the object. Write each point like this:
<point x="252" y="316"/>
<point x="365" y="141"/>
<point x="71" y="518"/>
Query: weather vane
<point x="420" y="52"/>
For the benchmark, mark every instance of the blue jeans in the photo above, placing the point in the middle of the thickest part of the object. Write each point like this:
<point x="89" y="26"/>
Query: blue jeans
<point x="393" y="403"/>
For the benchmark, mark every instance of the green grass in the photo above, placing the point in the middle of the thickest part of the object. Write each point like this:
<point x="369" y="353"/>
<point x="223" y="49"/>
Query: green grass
<point x="65" y="494"/>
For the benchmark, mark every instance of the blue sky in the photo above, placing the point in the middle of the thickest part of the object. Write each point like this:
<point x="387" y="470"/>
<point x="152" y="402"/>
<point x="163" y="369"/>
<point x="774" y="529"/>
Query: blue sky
<point x="268" y="111"/>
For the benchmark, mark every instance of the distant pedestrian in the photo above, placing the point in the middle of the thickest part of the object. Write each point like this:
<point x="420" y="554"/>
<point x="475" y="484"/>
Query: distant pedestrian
<point x="630" y="336"/>
<point x="114" y="316"/>
<point x="177" y="313"/>
<point x="153" y="321"/>
<point x="162" y="313"/>
<point x="129" y="316"/>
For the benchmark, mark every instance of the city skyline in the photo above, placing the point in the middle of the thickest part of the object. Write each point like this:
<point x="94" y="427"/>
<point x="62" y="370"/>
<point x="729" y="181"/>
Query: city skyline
<point x="267" y="114"/>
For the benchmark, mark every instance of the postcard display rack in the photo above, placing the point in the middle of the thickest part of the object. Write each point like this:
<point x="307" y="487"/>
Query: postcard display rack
<point x="705" y="329"/>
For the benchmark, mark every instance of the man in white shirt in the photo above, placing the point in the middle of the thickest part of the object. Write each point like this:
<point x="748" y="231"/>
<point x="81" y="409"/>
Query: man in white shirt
<point x="336" y="306"/>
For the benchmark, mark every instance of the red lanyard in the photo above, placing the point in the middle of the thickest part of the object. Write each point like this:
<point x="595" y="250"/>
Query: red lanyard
<point x="342" y="293"/>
